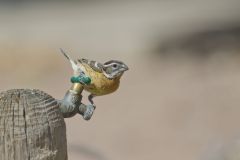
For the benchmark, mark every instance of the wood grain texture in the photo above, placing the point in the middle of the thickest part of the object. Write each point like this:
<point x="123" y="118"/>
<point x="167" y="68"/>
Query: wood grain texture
<point x="31" y="126"/>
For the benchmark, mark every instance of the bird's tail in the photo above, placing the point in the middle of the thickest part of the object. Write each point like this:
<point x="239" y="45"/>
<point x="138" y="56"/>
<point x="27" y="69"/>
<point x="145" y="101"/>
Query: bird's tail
<point x="73" y="63"/>
<point x="65" y="54"/>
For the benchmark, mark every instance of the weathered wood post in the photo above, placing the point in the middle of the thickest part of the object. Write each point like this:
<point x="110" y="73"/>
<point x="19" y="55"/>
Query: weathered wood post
<point x="32" y="123"/>
<point x="31" y="126"/>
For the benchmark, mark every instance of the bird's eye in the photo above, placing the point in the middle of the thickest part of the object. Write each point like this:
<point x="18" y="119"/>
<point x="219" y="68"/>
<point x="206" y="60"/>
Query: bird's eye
<point x="114" y="66"/>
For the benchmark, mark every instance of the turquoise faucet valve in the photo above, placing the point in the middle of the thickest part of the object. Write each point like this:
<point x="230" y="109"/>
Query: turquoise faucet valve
<point x="83" y="79"/>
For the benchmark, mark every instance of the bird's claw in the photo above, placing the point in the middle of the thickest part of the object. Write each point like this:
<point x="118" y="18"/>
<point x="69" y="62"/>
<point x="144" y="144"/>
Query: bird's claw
<point x="89" y="112"/>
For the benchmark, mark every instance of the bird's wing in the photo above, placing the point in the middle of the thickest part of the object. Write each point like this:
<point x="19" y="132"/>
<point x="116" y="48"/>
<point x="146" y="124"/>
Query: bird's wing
<point x="96" y="66"/>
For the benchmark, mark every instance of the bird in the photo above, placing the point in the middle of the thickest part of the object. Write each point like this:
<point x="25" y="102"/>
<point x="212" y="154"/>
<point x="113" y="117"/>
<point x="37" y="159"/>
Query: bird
<point x="105" y="77"/>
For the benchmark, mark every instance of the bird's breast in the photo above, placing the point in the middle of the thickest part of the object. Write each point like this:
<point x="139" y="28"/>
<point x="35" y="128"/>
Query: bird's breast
<point x="101" y="85"/>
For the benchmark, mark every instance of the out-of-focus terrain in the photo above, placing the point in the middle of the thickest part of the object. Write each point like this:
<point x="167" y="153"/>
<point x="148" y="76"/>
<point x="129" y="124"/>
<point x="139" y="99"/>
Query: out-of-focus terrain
<point x="180" y="100"/>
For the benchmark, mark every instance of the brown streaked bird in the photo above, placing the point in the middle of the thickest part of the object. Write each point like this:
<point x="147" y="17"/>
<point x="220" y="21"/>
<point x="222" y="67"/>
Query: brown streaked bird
<point x="105" y="78"/>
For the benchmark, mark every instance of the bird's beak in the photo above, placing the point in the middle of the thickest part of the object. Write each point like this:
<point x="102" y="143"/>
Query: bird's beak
<point x="125" y="67"/>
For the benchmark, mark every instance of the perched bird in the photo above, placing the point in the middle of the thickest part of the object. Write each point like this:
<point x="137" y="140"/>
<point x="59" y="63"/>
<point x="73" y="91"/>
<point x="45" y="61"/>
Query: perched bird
<point x="105" y="78"/>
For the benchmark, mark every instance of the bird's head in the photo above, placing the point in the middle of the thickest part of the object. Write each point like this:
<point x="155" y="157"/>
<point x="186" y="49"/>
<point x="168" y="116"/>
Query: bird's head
<point x="114" y="69"/>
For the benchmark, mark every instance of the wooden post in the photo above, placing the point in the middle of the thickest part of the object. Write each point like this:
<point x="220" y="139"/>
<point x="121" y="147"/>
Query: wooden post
<point x="31" y="127"/>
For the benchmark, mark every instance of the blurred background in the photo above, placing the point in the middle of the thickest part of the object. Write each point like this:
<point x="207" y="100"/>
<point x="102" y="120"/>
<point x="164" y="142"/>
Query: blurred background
<point x="181" y="98"/>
